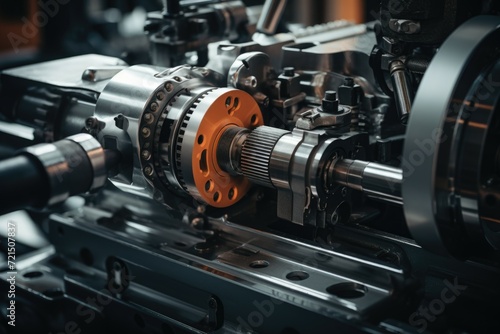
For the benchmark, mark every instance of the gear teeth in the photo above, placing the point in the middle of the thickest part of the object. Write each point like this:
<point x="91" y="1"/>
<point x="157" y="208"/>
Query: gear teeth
<point x="180" y="136"/>
<point x="256" y="154"/>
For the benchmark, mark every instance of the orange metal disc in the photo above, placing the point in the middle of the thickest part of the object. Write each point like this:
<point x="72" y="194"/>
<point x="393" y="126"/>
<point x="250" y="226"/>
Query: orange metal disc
<point x="223" y="108"/>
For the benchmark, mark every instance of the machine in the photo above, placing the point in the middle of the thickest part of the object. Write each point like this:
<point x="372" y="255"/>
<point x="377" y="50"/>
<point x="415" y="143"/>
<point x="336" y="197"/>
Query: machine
<point x="258" y="177"/>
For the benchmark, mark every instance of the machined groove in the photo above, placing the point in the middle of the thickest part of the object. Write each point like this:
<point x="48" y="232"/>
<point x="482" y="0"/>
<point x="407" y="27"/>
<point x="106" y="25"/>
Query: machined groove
<point x="256" y="154"/>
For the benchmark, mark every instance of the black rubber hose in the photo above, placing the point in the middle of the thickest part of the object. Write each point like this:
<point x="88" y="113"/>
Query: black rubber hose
<point x="23" y="182"/>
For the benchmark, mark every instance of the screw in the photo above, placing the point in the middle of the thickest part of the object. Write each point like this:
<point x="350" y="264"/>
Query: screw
<point x="145" y="132"/>
<point x="169" y="86"/>
<point x="148" y="118"/>
<point x="148" y="170"/>
<point x="154" y="106"/>
<point x="160" y="95"/>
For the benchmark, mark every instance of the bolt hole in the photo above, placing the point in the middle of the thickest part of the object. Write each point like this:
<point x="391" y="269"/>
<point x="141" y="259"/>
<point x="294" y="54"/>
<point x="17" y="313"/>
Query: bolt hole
<point x="297" y="276"/>
<point x="217" y="196"/>
<point x="208" y="186"/>
<point x="228" y="102"/>
<point x="204" y="162"/>
<point x="347" y="290"/>
<point x="33" y="274"/>
<point x="258" y="264"/>
<point x="139" y="321"/>
<point x="200" y="139"/>
<point x="232" y="193"/>
<point x="254" y="119"/>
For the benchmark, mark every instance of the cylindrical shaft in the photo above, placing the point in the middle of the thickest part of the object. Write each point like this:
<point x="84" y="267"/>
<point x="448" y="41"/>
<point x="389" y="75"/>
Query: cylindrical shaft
<point x="23" y="183"/>
<point x="402" y="90"/>
<point x="271" y="16"/>
<point x="46" y="174"/>
<point x="375" y="180"/>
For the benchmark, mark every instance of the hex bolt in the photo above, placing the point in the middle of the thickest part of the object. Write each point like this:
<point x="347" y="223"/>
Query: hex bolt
<point x="330" y="95"/>
<point x="330" y="103"/>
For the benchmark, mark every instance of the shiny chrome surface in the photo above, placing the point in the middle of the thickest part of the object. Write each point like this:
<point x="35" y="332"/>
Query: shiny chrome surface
<point x="437" y="121"/>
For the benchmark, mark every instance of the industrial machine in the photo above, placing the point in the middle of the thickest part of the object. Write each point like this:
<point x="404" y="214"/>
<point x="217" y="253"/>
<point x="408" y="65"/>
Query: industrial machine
<point x="260" y="178"/>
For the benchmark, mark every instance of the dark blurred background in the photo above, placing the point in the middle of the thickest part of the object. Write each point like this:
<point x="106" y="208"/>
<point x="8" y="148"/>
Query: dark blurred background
<point x="37" y="30"/>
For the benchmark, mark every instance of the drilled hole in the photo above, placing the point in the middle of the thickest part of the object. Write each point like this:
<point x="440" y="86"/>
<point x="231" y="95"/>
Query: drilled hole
<point x="216" y="196"/>
<point x="232" y="193"/>
<point x="208" y="185"/>
<point x="203" y="162"/>
<point x="347" y="290"/>
<point x="254" y="119"/>
<point x="297" y="276"/>
<point x="200" y="139"/>
<point x="228" y="102"/>
<point x="259" y="264"/>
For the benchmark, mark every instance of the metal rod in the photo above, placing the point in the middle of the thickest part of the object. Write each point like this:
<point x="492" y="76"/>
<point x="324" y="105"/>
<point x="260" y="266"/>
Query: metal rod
<point x="271" y="16"/>
<point x="402" y="89"/>
<point x="375" y="180"/>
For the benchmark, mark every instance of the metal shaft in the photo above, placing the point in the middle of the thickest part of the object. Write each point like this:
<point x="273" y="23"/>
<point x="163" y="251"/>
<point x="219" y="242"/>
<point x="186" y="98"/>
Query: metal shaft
<point x="402" y="89"/>
<point x="271" y="16"/>
<point x="375" y="180"/>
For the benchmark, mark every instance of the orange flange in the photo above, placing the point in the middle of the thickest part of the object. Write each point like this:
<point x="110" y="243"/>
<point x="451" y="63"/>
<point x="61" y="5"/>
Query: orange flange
<point x="223" y="108"/>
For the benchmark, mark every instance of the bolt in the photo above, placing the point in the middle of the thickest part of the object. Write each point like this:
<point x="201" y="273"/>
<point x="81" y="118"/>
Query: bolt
<point x="148" y="118"/>
<point x="330" y="104"/>
<point x="154" y="106"/>
<point x="349" y="82"/>
<point x="160" y="95"/>
<point x="145" y="132"/>
<point x="146" y="155"/>
<point x="289" y="71"/>
<point x="148" y="170"/>
<point x="169" y="86"/>
<point x="330" y="95"/>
